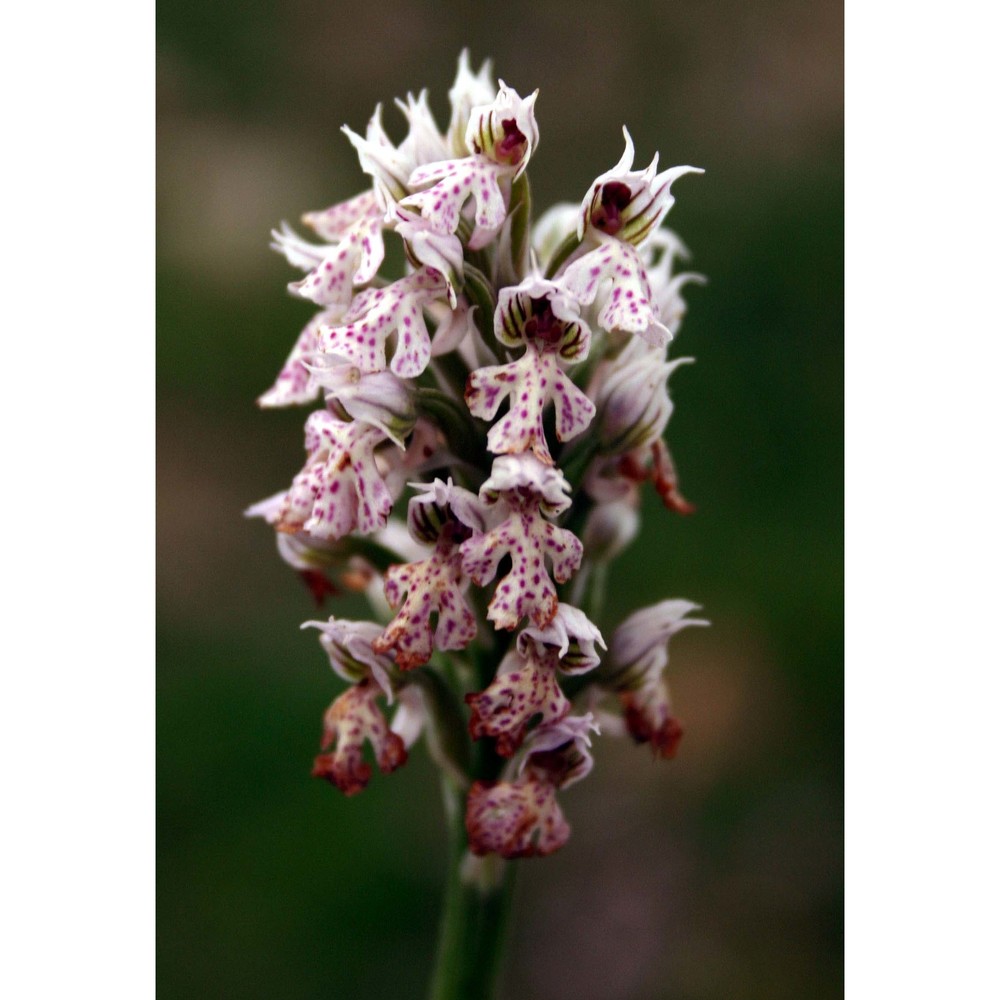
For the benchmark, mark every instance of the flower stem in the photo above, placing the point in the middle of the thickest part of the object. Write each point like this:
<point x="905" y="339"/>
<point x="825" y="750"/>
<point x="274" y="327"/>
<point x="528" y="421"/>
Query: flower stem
<point x="472" y="936"/>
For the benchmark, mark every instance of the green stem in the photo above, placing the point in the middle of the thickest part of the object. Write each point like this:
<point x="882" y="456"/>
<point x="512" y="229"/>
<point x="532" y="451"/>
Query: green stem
<point x="466" y="436"/>
<point x="473" y="931"/>
<point x="520" y="227"/>
<point x="563" y="252"/>
<point x="480" y="293"/>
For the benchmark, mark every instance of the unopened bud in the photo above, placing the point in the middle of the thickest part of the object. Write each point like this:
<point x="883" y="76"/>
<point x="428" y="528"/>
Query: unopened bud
<point x="378" y="398"/>
<point x="610" y="529"/>
<point x="633" y="406"/>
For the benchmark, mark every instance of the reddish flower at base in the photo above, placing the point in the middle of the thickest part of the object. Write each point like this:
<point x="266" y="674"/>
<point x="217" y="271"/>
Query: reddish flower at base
<point x="649" y="719"/>
<point x="351" y="720"/>
<point x="521" y="818"/>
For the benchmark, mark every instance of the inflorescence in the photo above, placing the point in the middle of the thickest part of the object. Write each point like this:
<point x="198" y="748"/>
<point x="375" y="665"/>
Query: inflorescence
<point x="512" y="386"/>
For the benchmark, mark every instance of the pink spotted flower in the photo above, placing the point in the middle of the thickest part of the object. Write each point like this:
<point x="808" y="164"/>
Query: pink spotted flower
<point x="501" y="137"/>
<point x="430" y="593"/>
<point x="541" y="317"/>
<point x="521" y="817"/>
<point x="522" y="491"/>
<point x="340" y="489"/>
<point x="380" y="313"/>
<point x="526" y="687"/>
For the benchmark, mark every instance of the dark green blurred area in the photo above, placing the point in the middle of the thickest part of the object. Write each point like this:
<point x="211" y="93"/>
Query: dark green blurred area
<point x="717" y="875"/>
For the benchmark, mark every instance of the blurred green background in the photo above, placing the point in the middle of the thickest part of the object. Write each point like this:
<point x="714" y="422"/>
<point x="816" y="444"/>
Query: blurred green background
<point x="717" y="875"/>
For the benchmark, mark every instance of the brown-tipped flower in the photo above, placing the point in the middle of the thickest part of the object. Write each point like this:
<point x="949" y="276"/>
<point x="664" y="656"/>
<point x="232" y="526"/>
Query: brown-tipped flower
<point x="634" y="669"/>
<point x="521" y="818"/>
<point x="349" y="722"/>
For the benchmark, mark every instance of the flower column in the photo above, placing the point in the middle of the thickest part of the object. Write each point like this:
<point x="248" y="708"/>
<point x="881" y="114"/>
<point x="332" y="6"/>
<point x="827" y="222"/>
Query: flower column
<point x="510" y="395"/>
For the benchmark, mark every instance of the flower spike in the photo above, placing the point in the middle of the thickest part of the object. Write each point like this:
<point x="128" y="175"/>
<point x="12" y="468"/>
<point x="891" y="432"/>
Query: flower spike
<point x="453" y="378"/>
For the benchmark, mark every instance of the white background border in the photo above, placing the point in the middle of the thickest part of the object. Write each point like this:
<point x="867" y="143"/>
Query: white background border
<point x="77" y="410"/>
<point x="923" y="835"/>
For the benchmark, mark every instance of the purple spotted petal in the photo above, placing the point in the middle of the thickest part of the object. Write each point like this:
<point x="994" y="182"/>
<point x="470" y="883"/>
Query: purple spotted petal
<point x="530" y="383"/>
<point x="453" y="183"/>
<point x="340" y="489"/>
<point x="527" y="590"/>
<point x="434" y="586"/>
<point x="615" y="274"/>
<point x="334" y="270"/>
<point x="332" y="223"/>
<point x="377" y="313"/>
<point x="351" y="721"/>
<point x="515" y="819"/>
<point x="525" y="688"/>
<point x="295" y="384"/>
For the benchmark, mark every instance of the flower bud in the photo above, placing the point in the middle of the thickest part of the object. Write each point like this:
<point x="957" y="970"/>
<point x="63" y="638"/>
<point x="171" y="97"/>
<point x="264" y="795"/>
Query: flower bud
<point x="469" y="90"/>
<point x="638" y="652"/>
<point x="552" y="228"/>
<point x="660" y="253"/>
<point x="348" y="644"/>
<point x="632" y="402"/>
<point x="380" y="159"/>
<point x="377" y="398"/>
<point x="610" y="529"/>
<point x="423" y="142"/>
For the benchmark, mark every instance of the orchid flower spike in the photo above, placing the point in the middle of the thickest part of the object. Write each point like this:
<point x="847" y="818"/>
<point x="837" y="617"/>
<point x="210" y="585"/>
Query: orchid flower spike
<point x="492" y="399"/>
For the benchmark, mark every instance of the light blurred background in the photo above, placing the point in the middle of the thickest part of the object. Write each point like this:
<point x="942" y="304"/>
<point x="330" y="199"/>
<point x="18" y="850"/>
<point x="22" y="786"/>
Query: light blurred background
<point x="717" y="876"/>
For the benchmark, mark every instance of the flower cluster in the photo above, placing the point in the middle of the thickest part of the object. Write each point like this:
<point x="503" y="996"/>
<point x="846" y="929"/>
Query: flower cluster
<point x="508" y="391"/>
